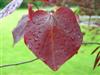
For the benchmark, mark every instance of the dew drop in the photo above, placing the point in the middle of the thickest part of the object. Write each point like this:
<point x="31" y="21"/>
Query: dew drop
<point x="35" y="39"/>
<point x="79" y="36"/>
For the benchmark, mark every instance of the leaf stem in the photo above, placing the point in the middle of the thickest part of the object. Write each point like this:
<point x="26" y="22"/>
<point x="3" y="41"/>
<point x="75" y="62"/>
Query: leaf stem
<point x="20" y="63"/>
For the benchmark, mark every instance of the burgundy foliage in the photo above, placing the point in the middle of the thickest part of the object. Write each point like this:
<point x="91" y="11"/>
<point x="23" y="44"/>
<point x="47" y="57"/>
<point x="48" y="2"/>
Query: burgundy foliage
<point x="53" y="37"/>
<point x="97" y="60"/>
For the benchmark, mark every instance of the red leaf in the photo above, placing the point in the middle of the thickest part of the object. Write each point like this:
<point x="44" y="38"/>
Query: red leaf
<point x="19" y="31"/>
<point x="52" y="1"/>
<point x="97" y="60"/>
<point x="45" y="0"/>
<point x="95" y="50"/>
<point x="30" y="11"/>
<point x="54" y="37"/>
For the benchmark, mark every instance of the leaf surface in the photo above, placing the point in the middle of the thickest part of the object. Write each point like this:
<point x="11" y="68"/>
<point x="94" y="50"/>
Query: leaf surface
<point x="19" y="31"/>
<point x="54" y="37"/>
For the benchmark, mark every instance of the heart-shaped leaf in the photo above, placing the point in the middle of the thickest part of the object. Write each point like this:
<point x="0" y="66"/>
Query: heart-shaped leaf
<point x="53" y="37"/>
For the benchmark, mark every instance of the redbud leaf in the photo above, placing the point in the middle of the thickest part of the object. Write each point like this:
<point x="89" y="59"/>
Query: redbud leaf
<point x="19" y="31"/>
<point x="97" y="60"/>
<point x="53" y="37"/>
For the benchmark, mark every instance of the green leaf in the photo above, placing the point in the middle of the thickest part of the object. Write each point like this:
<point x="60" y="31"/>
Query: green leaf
<point x="38" y="4"/>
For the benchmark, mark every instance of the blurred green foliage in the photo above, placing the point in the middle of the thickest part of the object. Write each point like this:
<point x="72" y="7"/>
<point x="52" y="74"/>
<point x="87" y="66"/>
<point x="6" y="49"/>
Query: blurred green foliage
<point x="24" y="4"/>
<point x="5" y="2"/>
<point x="39" y="4"/>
